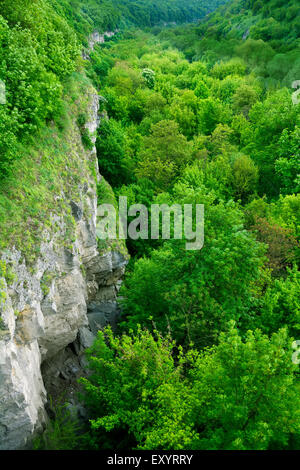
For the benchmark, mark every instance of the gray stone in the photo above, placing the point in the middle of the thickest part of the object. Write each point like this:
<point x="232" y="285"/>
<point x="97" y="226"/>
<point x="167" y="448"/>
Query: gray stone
<point x="76" y="211"/>
<point x="45" y="312"/>
<point x="86" y="337"/>
<point x="102" y="314"/>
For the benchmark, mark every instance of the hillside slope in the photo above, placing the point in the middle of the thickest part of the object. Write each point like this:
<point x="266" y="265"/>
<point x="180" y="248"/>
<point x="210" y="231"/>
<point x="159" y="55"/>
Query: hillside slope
<point x="103" y="15"/>
<point x="264" y="34"/>
<point x="193" y="114"/>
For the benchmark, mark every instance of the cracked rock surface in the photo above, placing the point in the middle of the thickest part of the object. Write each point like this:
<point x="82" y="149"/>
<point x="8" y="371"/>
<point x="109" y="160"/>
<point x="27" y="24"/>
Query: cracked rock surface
<point x="40" y="322"/>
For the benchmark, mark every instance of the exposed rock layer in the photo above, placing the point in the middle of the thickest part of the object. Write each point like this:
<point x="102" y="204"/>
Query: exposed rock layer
<point x="97" y="38"/>
<point x="47" y="308"/>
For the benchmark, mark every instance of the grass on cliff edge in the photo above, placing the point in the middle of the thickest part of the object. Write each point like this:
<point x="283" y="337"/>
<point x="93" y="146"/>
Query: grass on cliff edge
<point x="46" y="177"/>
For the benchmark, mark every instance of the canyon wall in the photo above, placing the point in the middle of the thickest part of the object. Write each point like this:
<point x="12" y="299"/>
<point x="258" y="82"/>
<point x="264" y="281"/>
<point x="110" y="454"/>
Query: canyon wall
<point x="51" y="311"/>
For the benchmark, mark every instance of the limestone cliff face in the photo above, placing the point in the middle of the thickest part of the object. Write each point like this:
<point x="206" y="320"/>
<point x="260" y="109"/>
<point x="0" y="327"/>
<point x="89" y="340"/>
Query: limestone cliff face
<point x="67" y="295"/>
<point x="97" y="38"/>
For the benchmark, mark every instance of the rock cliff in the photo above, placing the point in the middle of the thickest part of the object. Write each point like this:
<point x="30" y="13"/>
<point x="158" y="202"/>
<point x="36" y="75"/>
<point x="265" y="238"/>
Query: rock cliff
<point x="97" y="38"/>
<point x="50" y="311"/>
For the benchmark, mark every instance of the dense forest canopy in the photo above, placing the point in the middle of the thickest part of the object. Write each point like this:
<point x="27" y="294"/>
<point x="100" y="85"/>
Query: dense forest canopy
<point x="200" y="113"/>
<point x="211" y="121"/>
<point x="40" y="47"/>
<point x="105" y="15"/>
<point x="264" y="34"/>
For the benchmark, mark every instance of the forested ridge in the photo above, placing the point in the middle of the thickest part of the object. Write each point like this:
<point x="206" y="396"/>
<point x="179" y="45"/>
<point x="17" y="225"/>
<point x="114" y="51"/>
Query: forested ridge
<point x="40" y="47"/>
<point x="264" y="34"/>
<point x="110" y="14"/>
<point x="195" y="114"/>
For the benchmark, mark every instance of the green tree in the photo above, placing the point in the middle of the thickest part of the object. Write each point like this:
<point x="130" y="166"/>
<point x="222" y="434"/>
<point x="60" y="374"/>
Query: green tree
<point x="149" y="76"/>
<point x="110" y="147"/>
<point x="163" y="153"/>
<point x="281" y="304"/>
<point x="244" y="176"/>
<point x="241" y="394"/>
<point x="244" y="98"/>
<point x="211" y="113"/>
<point x="287" y="165"/>
<point x="123" y="391"/>
<point x="197" y="292"/>
<point x="246" y="394"/>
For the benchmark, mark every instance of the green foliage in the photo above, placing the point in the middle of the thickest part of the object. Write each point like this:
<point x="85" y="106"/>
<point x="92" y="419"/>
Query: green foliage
<point x="202" y="134"/>
<point x="85" y="134"/>
<point x="287" y="165"/>
<point x="6" y="272"/>
<point x="46" y="169"/>
<point x="245" y="176"/>
<point x="163" y="154"/>
<point x="106" y="15"/>
<point x="246" y="393"/>
<point x="282" y="245"/>
<point x="244" y="98"/>
<point x="232" y="67"/>
<point x="137" y="366"/>
<point x="195" y="114"/>
<point x="264" y="34"/>
<point x="197" y="292"/>
<point x="149" y="76"/>
<point x="3" y="293"/>
<point x="281" y="304"/>
<point x="212" y="112"/>
<point x="110" y="146"/>
<point x="241" y="394"/>
<point x="61" y="432"/>
<point x="38" y="50"/>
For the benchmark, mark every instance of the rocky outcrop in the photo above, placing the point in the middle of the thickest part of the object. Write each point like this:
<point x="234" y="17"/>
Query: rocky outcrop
<point x="45" y="311"/>
<point x="97" y="38"/>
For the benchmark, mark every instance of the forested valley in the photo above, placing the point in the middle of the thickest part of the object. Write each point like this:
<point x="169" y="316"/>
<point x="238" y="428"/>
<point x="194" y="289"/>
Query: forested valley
<point x="198" y="105"/>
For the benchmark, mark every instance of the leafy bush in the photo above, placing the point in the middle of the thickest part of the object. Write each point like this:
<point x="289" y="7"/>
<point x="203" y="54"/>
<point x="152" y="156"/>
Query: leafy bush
<point x="241" y="394"/>
<point x="62" y="432"/>
<point x="37" y="51"/>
